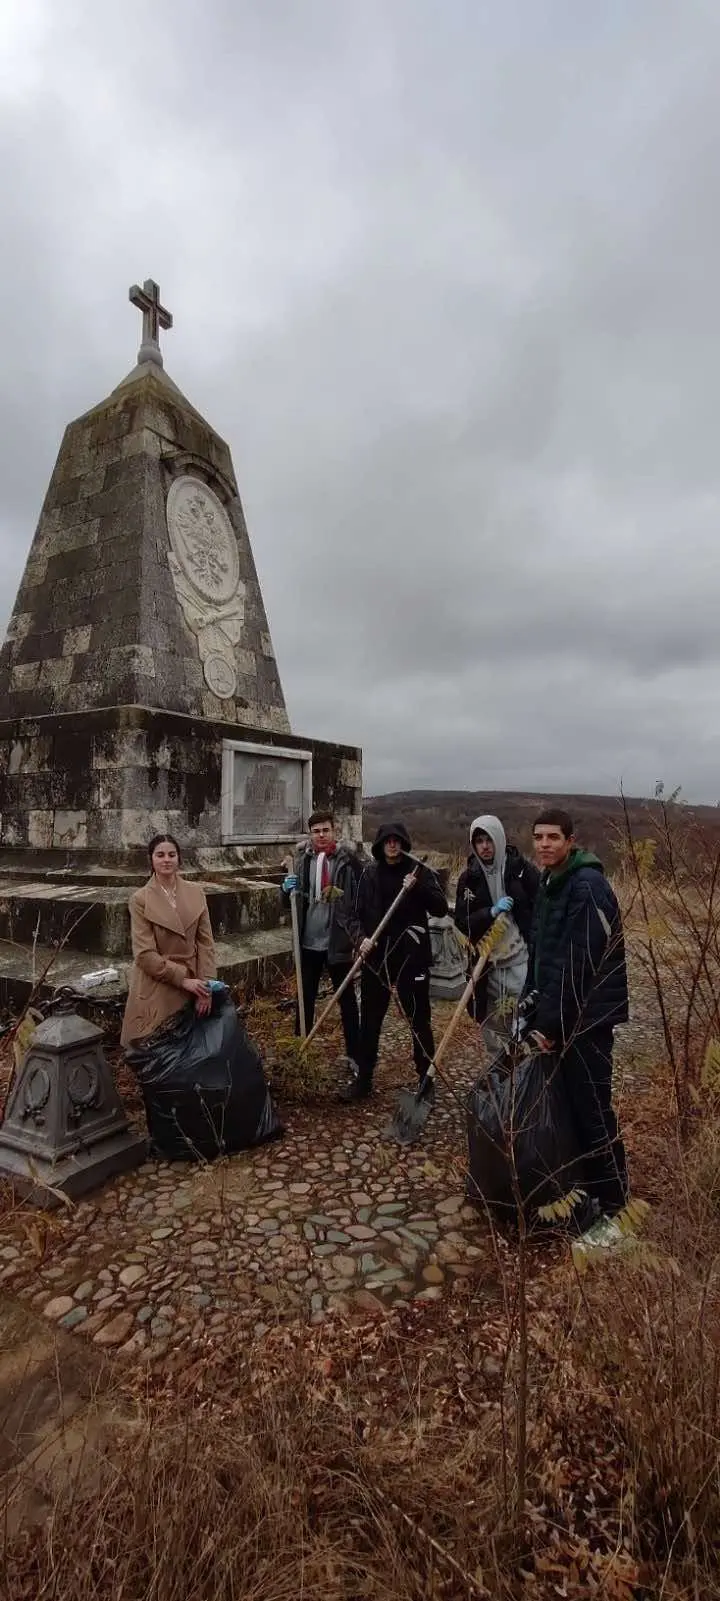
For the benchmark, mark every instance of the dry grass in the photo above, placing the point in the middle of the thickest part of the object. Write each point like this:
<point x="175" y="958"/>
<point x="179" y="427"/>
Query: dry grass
<point x="660" y="1353"/>
<point x="292" y="1490"/>
<point x="373" y="1458"/>
<point x="703" y="1169"/>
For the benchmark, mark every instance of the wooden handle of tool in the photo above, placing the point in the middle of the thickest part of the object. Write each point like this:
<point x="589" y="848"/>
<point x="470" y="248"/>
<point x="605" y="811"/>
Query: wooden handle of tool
<point x="357" y="964"/>
<point x="482" y="961"/>
<point x="297" y="958"/>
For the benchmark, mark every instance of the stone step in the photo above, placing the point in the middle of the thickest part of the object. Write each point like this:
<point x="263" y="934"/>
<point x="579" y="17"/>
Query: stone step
<point x="61" y="867"/>
<point x="82" y="916"/>
<point x="249" y="959"/>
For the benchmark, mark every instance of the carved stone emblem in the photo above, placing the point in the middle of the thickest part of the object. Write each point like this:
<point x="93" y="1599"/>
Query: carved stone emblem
<point x="204" y="564"/>
<point x="220" y="675"/>
<point x="202" y="539"/>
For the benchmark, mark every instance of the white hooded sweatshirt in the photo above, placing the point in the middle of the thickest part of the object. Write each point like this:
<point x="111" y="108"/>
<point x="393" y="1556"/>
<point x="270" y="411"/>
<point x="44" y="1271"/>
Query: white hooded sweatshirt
<point x="513" y="945"/>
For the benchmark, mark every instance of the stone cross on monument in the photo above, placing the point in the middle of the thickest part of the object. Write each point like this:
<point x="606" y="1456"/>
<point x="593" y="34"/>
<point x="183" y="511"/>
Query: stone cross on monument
<point x="155" y="317"/>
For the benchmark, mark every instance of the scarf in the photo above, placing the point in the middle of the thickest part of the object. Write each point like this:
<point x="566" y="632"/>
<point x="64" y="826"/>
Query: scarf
<point x="323" y="872"/>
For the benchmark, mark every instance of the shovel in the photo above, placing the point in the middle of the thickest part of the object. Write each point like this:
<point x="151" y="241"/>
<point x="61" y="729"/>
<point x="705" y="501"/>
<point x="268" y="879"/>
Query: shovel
<point x="414" y="1106"/>
<point x="358" y="963"/>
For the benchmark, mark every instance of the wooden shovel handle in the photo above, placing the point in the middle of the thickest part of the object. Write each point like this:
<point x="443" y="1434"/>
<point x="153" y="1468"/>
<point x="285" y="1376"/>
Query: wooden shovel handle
<point x="357" y="964"/>
<point x="486" y="947"/>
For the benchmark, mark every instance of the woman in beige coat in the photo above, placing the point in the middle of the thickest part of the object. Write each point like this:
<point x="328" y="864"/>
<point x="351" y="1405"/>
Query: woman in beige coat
<point x="172" y="945"/>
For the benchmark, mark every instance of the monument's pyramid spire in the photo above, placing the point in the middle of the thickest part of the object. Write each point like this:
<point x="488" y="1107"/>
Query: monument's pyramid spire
<point x="140" y="587"/>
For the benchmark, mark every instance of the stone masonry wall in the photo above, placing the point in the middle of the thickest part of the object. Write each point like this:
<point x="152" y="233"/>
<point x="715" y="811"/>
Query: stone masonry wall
<point x="91" y="789"/>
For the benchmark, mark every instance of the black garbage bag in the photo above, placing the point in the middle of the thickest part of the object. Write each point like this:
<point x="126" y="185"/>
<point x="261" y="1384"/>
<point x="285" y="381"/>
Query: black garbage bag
<point x="203" y="1086"/>
<point x="517" y="1117"/>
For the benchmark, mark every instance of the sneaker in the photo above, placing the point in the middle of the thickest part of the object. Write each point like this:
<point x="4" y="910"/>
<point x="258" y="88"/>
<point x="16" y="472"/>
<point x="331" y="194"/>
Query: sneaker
<point x="605" y="1235"/>
<point x="357" y="1090"/>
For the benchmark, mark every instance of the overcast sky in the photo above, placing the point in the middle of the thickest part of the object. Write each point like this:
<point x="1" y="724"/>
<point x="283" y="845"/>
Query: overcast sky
<point x="446" y="276"/>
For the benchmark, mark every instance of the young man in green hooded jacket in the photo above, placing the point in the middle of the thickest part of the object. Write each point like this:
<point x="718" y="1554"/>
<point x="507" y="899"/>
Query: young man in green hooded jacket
<point x="578" y="971"/>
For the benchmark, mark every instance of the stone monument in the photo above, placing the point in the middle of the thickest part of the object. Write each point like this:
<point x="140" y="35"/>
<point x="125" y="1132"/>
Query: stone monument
<point x="139" y="691"/>
<point x="64" y="1129"/>
<point x="448" y="971"/>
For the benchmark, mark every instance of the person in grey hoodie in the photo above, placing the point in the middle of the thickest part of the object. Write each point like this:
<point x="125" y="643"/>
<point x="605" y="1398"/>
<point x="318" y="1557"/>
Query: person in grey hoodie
<point x="497" y="880"/>
<point x="324" y="879"/>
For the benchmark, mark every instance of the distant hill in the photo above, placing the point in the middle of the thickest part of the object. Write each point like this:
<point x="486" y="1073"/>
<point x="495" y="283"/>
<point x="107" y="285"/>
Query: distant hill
<point x="439" y="820"/>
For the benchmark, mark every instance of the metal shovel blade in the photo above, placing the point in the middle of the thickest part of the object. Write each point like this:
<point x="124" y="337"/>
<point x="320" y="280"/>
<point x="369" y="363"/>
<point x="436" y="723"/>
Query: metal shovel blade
<point x="410" y="1118"/>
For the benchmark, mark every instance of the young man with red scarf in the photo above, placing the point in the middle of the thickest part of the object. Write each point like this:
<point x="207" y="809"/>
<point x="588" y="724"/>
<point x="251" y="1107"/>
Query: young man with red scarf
<point x="324" y="880"/>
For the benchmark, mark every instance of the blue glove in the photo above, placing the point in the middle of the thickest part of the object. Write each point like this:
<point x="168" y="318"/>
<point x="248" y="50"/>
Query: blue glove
<point x="289" y="883"/>
<point x="505" y="904"/>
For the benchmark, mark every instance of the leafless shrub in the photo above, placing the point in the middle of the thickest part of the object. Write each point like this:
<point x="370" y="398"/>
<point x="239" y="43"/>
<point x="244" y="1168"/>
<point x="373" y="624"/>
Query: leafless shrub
<point x="672" y="889"/>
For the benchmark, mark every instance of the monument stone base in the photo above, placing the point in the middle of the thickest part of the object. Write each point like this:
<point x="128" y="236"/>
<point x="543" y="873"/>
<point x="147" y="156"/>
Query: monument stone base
<point x="65" y="1131"/>
<point x="81" y="796"/>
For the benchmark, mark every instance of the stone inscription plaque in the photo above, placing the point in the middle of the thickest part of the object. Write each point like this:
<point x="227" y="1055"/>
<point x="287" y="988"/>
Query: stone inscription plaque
<point x="266" y="793"/>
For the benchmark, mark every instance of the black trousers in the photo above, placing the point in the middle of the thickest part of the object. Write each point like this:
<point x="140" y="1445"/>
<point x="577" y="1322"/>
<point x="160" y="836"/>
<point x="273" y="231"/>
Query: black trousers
<point x="313" y="964"/>
<point x="412" y="988"/>
<point x="585" y="1070"/>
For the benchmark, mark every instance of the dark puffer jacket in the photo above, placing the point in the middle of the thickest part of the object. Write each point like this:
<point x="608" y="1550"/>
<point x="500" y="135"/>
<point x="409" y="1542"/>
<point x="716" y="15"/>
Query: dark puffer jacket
<point x="473" y="900"/>
<point x="378" y="886"/>
<point x="577" y="952"/>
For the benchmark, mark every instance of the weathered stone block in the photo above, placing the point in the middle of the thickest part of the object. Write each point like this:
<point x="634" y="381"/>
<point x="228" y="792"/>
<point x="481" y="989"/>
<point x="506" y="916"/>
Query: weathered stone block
<point x="55" y="673"/>
<point x="19" y="626"/>
<point x="35" y="571"/>
<point x="25" y="676"/>
<point x="76" y="536"/>
<point x="14" y="829"/>
<point x="350" y="773"/>
<point x="40" y="829"/>
<point x="77" y="640"/>
<point x="70" y="830"/>
<point x="29" y="755"/>
<point x="139" y="825"/>
<point x="92" y="482"/>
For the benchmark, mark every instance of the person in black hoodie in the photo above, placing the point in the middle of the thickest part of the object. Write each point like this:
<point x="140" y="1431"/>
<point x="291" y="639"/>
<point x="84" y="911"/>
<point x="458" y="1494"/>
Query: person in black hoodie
<point x="497" y="880"/>
<point x="402" y="957"/>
